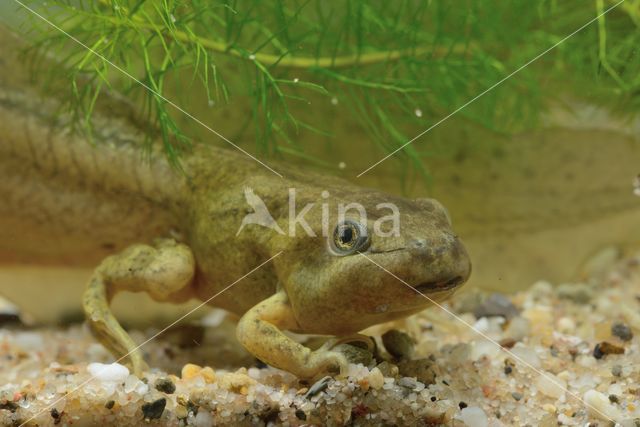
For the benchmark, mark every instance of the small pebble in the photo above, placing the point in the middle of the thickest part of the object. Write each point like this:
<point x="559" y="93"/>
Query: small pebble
<point x="462" y="405"/>
<point x="375" y="379"/>
<point x="507" y="342"/>
<point x="496" y="305"/>
<point x="421" y="369"/>
<point x="300" y="414"/>
<point x="474" y="416"/>
<point x="616" y="370"/>
<point x="109" y="404"/>
<point x="165" y="385"/>
<point x="318" y="387"/>
<point x="622" y="331"/>
<point x="154" y="410"/>
<point x="113" y="372"/>
<point x="29" y="341"/>
<point x="578" y="293"/>
<point x="398" y="344"/>
<point x="613" y="398"/>
<point x="566" y="325"/>
<point x="181" y="412"/>
<point x="408" y="382"/>
<point x="526" y="354"/>
<point x="518" y="328"/>
<point x="190" y="370"/>
<point x="459" y="353"/>
<point x="204" y="419"/>
<point x="598" y="405"/>
<point x="604" y="348"/>
<point x="388" y="369"/>
<point x="517" y="396"/>
<point x="551" y="386"/>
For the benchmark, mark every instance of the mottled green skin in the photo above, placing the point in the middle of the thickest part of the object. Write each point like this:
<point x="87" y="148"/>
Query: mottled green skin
<point x="69" y="202"/>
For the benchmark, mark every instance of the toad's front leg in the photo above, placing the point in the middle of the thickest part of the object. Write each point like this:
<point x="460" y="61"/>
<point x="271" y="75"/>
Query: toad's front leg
<point x="163" y="271"/>
<point x="259" y="330"/>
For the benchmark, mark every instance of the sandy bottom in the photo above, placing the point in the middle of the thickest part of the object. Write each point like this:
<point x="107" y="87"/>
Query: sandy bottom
<point x="552" y="355"/>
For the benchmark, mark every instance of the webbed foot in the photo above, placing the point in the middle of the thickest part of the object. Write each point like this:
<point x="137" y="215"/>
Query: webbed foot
<point x="160" y="271"/>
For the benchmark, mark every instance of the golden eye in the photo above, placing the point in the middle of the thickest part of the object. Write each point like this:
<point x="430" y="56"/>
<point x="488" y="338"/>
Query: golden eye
<point x="349" y="237"/>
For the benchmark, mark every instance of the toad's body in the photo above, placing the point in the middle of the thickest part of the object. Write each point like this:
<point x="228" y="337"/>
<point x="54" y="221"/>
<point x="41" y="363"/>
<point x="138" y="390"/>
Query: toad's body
<point x="147" y="228"/>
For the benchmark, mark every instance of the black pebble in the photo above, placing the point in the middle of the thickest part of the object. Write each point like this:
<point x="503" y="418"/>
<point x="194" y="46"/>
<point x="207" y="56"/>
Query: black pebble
<point x="109" y="404"/>
<point x="301" y="415"/>
<point x="165" y="385"/>
<point x="9" y="406"/>
<point x="597" y="352"/>
<point x="154" y="410"/>
<point x="622" y="331"/>
<point x="462" y="405"/>
<point x="613" y="398"/>
<point x="55" y="414"/>
<point x="508" y="369"/>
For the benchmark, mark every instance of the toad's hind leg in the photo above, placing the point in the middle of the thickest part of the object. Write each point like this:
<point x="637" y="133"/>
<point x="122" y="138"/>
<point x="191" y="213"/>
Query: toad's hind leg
<point x="165" y="271"/>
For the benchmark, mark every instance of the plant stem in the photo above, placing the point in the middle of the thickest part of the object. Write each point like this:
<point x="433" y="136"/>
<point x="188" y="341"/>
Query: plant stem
<point x="290" y="61"/>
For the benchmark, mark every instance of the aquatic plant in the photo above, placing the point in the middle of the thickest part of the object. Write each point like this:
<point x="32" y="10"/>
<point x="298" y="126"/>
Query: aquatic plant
<point x="396" y="66"/>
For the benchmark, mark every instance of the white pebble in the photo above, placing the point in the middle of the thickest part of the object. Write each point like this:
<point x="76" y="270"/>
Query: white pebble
<point x="113" y="372"/>
<point x="599" y="406"/>
<point x="473" y="417"/>
<point x="566" y="325"/>
<point x="526" y="354"/>
<point x="130" y="383"/>
<point x="541" y="287"/>
<point x="376" y="379"/>
<point x="214" y="318"/>
<point x="204" y="419"/>
<point x="484" y="347"/>
<point x="551" y="385"/>
<point x="482" y="325"/>
<point x="517" y="329"/>
<point x="334" y="101"/>
<point x="616" y="389"/>
<point x="418" y="112"/>
<point x="29" y="341"/>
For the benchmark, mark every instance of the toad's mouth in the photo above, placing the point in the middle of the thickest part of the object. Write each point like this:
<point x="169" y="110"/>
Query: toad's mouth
<point x="439" y="285"/>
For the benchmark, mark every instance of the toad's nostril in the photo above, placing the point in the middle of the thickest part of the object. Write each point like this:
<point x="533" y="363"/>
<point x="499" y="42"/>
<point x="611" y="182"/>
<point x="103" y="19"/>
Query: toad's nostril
<point x="419" y="243"/>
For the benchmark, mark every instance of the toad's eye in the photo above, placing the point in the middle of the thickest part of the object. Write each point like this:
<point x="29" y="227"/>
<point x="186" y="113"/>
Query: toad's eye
<point x="349" y="237"/>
